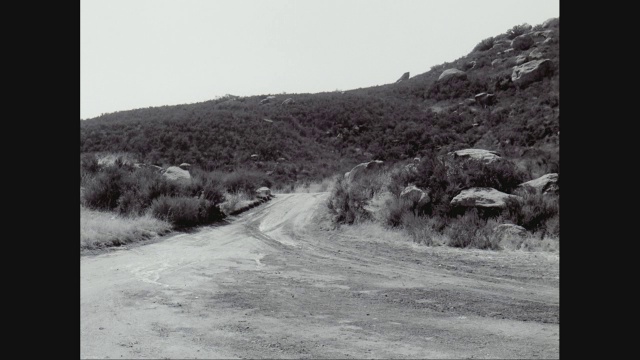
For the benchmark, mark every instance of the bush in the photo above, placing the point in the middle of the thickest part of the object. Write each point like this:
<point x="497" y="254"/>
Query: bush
<point x="485" y="44"/>
<point x="103" y="191"/>
<point x="184" y="212"/>
<point x="517" y="30"/>
<point x="469" y="230"/>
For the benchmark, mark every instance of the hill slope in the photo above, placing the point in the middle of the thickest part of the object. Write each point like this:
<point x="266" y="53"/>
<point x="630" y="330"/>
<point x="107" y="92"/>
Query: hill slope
<point x="316" y="135"/>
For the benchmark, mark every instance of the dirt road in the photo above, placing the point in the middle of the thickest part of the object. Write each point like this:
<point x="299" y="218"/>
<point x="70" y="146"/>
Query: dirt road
<point x="272" y="283"/>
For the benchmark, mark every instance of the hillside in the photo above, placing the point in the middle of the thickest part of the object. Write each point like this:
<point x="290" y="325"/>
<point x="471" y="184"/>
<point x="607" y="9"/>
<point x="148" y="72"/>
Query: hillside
<point x="313" y="136"/>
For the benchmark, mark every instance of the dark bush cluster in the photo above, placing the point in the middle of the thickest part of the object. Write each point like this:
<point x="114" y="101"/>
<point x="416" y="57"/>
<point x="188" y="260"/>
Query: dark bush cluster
<point x="485" y="44"/>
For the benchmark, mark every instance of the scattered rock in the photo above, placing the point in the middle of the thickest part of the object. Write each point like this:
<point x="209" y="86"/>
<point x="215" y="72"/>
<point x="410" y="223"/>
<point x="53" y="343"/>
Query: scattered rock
<point x="531" y="71"/>
<point x="522" y="42"/>
<point x="177" y="174"/>
<point x="520" y="59"/>
<point x="541" y="35"/>
<point x="535" y="54"/>
<point x="482" y="197"/>
<point x="359" y="169"/>
<point x="497" y="62"/>
<point x="486" y="156"/>
<point x="545" y="184"/>
<point x="415" y="195"/>
<point x="404" y="77"/>
<point x="485" y="99"/>
<point x="452" y="73"/>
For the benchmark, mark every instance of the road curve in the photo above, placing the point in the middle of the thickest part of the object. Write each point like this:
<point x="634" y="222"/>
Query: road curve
<point x="271" y="283"/>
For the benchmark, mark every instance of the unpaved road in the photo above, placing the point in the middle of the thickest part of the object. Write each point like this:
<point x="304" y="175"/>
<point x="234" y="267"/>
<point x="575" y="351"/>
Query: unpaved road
<point x="273" y="284"/>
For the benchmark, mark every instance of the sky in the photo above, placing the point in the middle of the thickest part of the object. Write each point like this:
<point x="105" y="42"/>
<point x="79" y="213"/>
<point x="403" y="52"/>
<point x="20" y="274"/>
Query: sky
<point x="141" y="53"/>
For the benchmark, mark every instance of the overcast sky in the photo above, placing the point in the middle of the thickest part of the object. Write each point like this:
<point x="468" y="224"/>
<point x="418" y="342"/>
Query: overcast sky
<point x="141" y="53"/>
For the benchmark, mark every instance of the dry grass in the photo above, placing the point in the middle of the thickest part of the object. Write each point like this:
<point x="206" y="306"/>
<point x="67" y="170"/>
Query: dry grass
<point x="235" y="201"/>
<point x="307" y="187"/>
<point x="99" y="229"/>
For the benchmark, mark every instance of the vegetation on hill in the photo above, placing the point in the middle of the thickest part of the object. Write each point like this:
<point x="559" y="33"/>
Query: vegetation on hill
<point x="241" y="143"/>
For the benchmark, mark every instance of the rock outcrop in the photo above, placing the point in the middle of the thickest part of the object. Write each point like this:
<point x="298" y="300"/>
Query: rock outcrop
<point x="360" y="169"/>
<point x="545" y="184"/>
<point x="486" y="156"/>
<point x="531" y="71"/>
<point x="289" y="101"/>
<point x="482" y="198"/>
<point x="535" y="54"/>
<point x="175" y="173"/>
<point x="404" y="77"/>
<point x="549" y="23"/>
<point x="451" y="74"/>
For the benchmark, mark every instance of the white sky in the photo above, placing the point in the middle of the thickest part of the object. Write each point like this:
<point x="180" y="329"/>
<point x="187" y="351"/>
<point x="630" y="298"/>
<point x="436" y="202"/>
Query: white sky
<point x="141" y="53"/>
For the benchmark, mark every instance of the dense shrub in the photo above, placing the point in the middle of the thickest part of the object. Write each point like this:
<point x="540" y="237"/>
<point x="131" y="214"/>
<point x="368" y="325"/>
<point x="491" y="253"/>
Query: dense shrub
<point x="185" y="211"/>
<point x="245" y="181"/>
<point x="535" y="212"/>
<point x="103" y="191"/>
<point x="470" y="230"/>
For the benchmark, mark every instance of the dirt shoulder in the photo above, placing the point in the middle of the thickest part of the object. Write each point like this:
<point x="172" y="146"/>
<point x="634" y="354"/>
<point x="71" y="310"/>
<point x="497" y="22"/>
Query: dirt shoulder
<point x="275" y="283"/>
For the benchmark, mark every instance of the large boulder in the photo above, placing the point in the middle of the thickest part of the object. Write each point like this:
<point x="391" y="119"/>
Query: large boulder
<point x="519" y="60"/>
<point x="175" y="173"/>
<point x="360" y="169"/>
<point x="452" y="73"/>
<point x="184" y="166"/>
<point x="522" y="42"/>
<point x="545" y="184"/>
<point x="531" y="71"/>
<point x="509" y="236"/>
<point x="486" y="156"/>
<point x="415" y="195"/>
<point x="482" y="197"/>
<point x="404" y="77"/>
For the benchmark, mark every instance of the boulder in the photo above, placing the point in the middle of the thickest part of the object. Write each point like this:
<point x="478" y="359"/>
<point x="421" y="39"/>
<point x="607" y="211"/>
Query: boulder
<point x="522" y="42"/>
<point x="185" y="166"/>
<point x="469" y="65"/>
<point x="549" y="40"/>
<point x="263" y="192"/>
<point x="177" y="174"/>
<point x="360" y="169"/>
<point x="268" y="120"/>
<point x="541" y="35"/>
<point x="267" y="100"/>
<point x="452" y="73"/>
<point x="254" y="157"/>
<point x="486" y="156"/>
<point x="281" y="159"/>
<point x="404" y="77"/>
<point x="289" y="101"/>
<point x="482" y="197"/>
<point x="545" y="184"/>
<point x="415" y="195"/>
<point x="485" y="99"/>
<point x="531" y="71"/>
